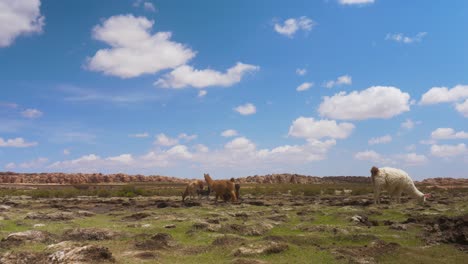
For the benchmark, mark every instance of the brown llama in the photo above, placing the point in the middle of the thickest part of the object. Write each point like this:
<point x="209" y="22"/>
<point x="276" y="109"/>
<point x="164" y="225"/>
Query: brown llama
<point x="192" y="189"/>
<point x="221" y="187"/>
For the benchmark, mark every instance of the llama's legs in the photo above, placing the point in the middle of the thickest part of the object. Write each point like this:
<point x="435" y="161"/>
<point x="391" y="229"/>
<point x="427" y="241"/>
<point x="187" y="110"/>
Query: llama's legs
<point x="233" y="196"/>
<point x="377" y="195"/>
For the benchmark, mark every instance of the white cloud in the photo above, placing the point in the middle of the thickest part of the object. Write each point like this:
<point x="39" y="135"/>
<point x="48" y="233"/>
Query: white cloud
<point x="139" y="135"/>
<point x="428" y="142"/>
<point x="409" y="124"/>
<point x="400" y="37"/>
<point x="462" y="108"/>
<point x="149" y="7"/>
<point x="412" y="159"/>
<point x="16" y="143"/>
<point x="374" y="102"/>
<point x="380" y="140"/>
<point x="448" y="150"/>
<point x="163" y="140"/>
<point x="411" y="147"/>
<point x="201" y="148"/>
<point x="187" y="76"/>
<point x="180" y="151"/>
<point x="448" y="133"/>
<point x="292" y="25"/>
<point x="246" y="109"/>
<point x="355" y="2"/>
<point x="301" y="72"/>
<point x="187" y="137"/>
<point x="370" y="155"/>
<point x="309" y="128"/>
<point x="37" y="163"/>
<point x="229" y="133"/>
<point x="438" y="95"/>
<point x="134" y="50"/>
<point x="202" y="93"/>
<point x="31" y="113"/>
<point x="305" y="86"/>
<point x="66" y="152"/>
<point x="19" y="17"/>
<point x="341" y="80"/>
<point x="10" y="166"/>
<point x="124" y="158"/>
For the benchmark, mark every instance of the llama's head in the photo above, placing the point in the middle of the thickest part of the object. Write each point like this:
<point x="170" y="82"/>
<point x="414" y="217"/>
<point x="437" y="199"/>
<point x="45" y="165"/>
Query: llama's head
<point x="374" y="171"/>
<point x="425" y="196"/>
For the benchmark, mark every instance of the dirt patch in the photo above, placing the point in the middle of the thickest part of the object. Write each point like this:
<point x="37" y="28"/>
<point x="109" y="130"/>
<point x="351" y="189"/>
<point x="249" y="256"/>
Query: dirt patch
<point x="366" y="254"/>
<point x="136" y="217"/>
<point x="228" y="240"/>
<point x="158" y="241"/>
<point x="56" y="216"/>
<point x="24" y="258"/>
<point x="18" y="238"/>
<point x="191" y="204"/>
<point x="80" y="234"/>
<point x="248" y="261"/>
<point x="248" y="230"/>
<point x="146" y="255"/>
<point x="448" y="230"/>
<point x="84" y="254"/>
<point x="268" y="247"/>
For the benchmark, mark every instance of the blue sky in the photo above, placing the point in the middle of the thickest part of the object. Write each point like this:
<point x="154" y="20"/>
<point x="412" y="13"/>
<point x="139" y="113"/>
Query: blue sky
<point x="234" y="88"/>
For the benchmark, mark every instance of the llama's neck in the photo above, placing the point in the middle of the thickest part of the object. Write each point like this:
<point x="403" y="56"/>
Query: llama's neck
<point x="209" y="180"/>
<point x="415" y="192"/>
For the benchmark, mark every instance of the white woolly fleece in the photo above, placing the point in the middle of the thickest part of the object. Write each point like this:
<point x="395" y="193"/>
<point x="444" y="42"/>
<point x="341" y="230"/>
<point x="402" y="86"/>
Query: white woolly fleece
<point x="396" y="181"/>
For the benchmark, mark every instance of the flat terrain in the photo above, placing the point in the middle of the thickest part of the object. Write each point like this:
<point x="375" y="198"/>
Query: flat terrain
<point x="283" y="226"/>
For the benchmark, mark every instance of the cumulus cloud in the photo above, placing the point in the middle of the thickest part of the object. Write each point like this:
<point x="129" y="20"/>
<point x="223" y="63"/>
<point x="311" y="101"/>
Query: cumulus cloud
<point x="448" y="133"/>
<point x="438" y="95"/>
<point x="139" y="135"/>
<point x="239" y="152"/>
<point x="10" y="166"/>
<point x="301" y="72"/>
<point x="292" y="25"/>
<point x="36" y="163"/>
<point x="374" y="102"/>
<point x="409" y="124"/>
<point x="370" y="155"/>
<point x="446" y="151"/>
<point x="355" y="2"/>
<point x="187" y="76"/>
<point x="229" y="133"/>
<point x="462" y="108"/>
<point x="134" y="50"/>
<point x="187" y="137"/>
<point x="202" y="93"/>
<point x="412" y="159"/>
<point x="163" y="140"/>
<point x="380" y="140"/>
<point x="124" y="158"/>
<point x="304" y="87"/>
<point x="400" y="37"/>
<point x="31" y="113"/>
<point x="19" y="17"/>
<point x="309" y="128"/>
<point x="246" y="109"/>
<point x="16" y="143"/>
<point x="341" y="80"/>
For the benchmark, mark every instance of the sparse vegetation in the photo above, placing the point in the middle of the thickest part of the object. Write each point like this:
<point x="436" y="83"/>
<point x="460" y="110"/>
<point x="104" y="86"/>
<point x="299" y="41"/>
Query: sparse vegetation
<point x="304" y="221"/>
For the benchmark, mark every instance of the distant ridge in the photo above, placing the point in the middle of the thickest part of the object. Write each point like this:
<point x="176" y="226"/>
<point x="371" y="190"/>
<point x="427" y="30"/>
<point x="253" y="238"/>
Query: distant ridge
<point x="99" y="178"/>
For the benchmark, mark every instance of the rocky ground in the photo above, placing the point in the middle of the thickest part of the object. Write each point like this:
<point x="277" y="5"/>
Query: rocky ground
<point x="264" y="229"/>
